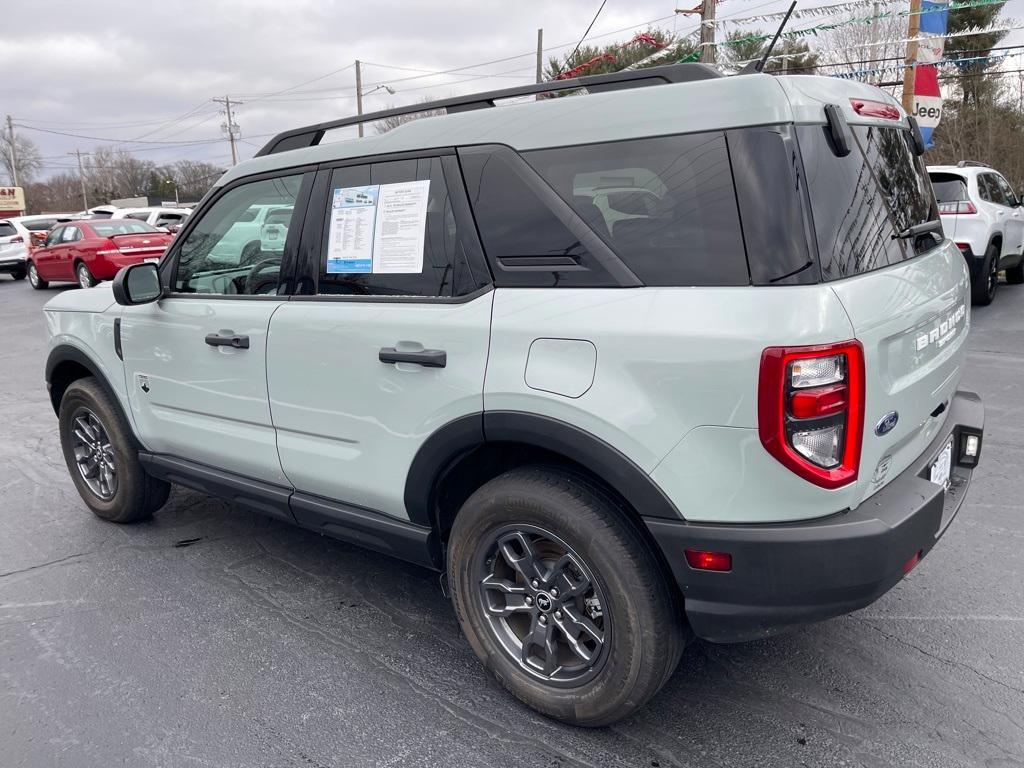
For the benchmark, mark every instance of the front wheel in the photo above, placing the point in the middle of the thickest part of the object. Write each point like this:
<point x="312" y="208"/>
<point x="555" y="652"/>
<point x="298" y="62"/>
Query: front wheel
<point x="102" y="458"/>
<point x="561" y="598"/>
<point x="983" y="289"/>
<point x="33" y="277"/>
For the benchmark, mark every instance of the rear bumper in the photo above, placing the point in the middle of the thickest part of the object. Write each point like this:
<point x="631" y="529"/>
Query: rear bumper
<point x="788" y="574"/>
<point x="11" y="264"/>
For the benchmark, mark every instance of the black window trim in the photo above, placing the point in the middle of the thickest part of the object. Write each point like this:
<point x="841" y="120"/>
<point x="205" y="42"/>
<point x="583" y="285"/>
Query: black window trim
<point x="169" y="263"/>
<point x="310" y="248"/>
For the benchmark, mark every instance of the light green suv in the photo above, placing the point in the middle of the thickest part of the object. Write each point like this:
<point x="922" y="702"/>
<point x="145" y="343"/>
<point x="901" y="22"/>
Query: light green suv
<point x="721" y="412"/>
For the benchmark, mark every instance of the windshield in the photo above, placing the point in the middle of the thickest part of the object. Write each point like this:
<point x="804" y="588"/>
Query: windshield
<point x="122" y="227"/>
<point x="863" y="202"/>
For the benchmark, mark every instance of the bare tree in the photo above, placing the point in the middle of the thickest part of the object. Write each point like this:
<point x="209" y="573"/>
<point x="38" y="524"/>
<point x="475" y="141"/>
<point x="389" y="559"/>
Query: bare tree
<point x="390" y="123"/>
<point x="30" y="162"/>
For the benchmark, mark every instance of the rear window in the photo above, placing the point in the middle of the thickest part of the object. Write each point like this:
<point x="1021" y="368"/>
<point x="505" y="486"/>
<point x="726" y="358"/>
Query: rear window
<point x="666" y="206"/>
<point x="949" y="187"/>
<point x="121" y="227"/>
<point x="7" y="229"/>
<point x="39" y="225"/>
<point x="862" y="201"/>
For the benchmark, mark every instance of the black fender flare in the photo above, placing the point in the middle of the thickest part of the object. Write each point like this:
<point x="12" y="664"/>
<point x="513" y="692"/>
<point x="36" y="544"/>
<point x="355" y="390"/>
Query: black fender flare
<point x="458" y="437"/>
<point x="65" y="353"/>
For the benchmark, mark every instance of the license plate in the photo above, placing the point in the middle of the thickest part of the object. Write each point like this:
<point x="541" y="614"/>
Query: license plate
<point x="940" y="467"/>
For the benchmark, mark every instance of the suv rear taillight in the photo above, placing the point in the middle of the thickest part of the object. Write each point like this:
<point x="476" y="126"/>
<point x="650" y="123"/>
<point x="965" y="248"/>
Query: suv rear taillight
<point x="810" y="410"/>
<point x="957" y="208"/>
<point x="17" y="239"/>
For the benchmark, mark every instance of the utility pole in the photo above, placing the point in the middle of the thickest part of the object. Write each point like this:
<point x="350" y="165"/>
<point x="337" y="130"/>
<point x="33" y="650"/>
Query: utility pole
<point x="540" y="55"/>
<point x="874" y="40"/>
<point x="359" y="94"/>
<point x="707" y="31"/>
<point x="232" y="129"/>
<point x="909" y="74"/>
<point x="14" y="152"/>
<point x="81" y="177"/>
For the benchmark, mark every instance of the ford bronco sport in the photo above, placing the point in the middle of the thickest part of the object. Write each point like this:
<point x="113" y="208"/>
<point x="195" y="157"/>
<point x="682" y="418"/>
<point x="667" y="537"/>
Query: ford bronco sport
<point x="731" y="411"/>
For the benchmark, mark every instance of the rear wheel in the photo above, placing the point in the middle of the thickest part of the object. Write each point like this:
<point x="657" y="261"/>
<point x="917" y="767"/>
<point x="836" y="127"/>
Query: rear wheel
<point x="33" y="277"/>
<point x="1015" y="275"/>
<point x="983" y="289"/>
<point x="102" y="459"/>
<point x="561" y="598"/>
<point x="85" y="278"/>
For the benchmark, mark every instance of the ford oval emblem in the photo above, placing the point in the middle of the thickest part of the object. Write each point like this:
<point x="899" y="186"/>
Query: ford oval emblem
<point x="887" y="423"/>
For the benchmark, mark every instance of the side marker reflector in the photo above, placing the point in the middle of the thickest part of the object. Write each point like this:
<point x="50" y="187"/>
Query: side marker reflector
<point x="702" y="560"/>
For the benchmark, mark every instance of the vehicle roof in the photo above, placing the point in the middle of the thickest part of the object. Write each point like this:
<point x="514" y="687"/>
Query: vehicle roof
<point x="962" y="170"/>
<point x="39" y="216"/>
<point x="152" y="209"/>
<point x="702" y="105"/>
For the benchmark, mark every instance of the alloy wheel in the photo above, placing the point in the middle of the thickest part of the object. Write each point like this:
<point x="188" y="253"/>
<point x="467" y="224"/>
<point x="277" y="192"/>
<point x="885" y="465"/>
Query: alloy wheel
<point x="543" y="605"/>
<point x="993" y="276"/>
<point x="84" y="278"/>
<point x="94" y="454"/>
<point x="33" y="276"/>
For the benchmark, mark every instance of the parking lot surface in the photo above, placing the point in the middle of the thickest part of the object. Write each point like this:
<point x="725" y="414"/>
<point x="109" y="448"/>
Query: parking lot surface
<point x="214" y="637"/>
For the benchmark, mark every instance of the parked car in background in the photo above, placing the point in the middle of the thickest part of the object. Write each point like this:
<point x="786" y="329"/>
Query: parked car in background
<point x="14" y="240"/>
<point x="983" y="215"/>
<point x="38" y="226"/>
<point x="91" y="250"/>
<point x="99" y="212"/>
<point x="168" y="218"/>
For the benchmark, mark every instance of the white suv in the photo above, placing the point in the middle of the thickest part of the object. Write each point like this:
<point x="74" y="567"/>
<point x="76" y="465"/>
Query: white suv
<point x="983" y="215"/>
<point x="731" y="412"/>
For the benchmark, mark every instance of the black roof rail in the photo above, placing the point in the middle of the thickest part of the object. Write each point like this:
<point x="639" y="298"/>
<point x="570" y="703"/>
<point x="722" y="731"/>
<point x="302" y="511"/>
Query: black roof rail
<point x="971" y="164"/>
<point x="310" y="135"/>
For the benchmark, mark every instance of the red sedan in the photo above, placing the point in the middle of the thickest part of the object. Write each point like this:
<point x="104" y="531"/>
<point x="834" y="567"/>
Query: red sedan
<point x="91" y="250"/>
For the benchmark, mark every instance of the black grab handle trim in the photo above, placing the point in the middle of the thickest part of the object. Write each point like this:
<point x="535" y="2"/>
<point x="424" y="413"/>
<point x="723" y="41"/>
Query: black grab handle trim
<point x="238" y="342"/>
<point x="428" y="358"/>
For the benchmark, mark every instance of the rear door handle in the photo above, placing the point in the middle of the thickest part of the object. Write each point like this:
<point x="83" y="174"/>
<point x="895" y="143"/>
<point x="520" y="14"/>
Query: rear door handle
<point x="227" y="339"/>
<point x="428" y="358"/>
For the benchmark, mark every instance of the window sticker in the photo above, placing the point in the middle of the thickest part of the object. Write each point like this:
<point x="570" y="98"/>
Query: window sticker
<point x="378" y="229"/>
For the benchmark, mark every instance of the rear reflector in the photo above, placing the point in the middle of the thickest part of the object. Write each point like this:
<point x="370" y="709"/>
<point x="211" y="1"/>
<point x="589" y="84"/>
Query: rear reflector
<point x="824" y="401"/>
<point x="17" y="239"/>
<point x="913" y="561"/>
<point x="869" y="108"/>
<point x="702" y="560"/>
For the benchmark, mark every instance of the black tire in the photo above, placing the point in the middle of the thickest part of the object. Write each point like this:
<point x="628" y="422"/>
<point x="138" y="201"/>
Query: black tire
<point x="33" y="277"/>
<point x="1015" y="275"/>
<point x="136" y="495"/>
<point x="19" y="274"/>
<point x="638" y="613"/>
<point x="84" y="275"/>
<point x="983" y="288"/>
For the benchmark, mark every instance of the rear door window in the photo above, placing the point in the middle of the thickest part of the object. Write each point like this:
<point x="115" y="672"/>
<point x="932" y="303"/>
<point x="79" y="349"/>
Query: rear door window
<point x="666" y="206"/>
<point x="1008" y="194"/>
<point x="7" y="230"/>
<point x="862" y="201"/>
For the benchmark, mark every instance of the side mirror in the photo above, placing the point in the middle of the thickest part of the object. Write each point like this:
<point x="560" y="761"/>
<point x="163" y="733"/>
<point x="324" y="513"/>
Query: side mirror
<point x="137" y="284"/>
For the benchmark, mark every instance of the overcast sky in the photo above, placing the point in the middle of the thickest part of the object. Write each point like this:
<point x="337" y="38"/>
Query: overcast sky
<point x="121" y="71"/>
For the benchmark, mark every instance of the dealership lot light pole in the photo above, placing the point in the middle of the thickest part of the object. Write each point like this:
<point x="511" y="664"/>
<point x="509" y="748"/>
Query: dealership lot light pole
<point x="81" y="176"/>
<point x="14" y="152"/>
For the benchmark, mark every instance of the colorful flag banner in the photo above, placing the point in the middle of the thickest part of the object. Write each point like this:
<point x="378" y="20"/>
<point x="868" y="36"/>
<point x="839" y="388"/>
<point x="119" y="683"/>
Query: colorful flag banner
<point x="930" y="47"/>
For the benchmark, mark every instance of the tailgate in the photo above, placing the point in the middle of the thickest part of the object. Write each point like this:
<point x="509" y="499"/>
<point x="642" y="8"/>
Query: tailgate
<point x="912" y="319"/>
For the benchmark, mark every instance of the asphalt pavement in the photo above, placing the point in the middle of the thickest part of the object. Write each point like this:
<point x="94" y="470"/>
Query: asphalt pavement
<point x="214" y="637"/>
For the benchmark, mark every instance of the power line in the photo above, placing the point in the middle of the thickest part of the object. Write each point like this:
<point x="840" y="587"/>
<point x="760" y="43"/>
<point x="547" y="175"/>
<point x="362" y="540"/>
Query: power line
<point x="589" y="27"/>
<point x="112" y="139"/>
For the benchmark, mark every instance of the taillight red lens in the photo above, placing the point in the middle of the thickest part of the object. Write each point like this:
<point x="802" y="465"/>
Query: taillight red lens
<point x="818" y="402"/>
<point x="17" y="239"/>
<point x="811" y="410"/>
<point x="702" y="560"/>
<point x="959" y="208"/>
<point x="869" y="108"/>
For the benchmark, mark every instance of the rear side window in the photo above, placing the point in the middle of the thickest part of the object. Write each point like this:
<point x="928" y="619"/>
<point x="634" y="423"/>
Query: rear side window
<point x="397" y="228"/>
<point x="949" y="187"/>
<point x="7" y="230"/>
<point x="862" y="201"/>
<point x="666" y="206"/>
<point x="39" y="225"/>
<point x="121" y="227"/>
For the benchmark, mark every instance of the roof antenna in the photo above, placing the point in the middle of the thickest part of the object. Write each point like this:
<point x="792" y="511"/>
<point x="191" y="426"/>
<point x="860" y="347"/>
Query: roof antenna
<point x="758" y="66"/>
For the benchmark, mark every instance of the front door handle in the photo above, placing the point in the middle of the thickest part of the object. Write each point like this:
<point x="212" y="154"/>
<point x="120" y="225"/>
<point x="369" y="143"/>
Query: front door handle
<point x="227" y="339"/>
<point x="428" y="358"/>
